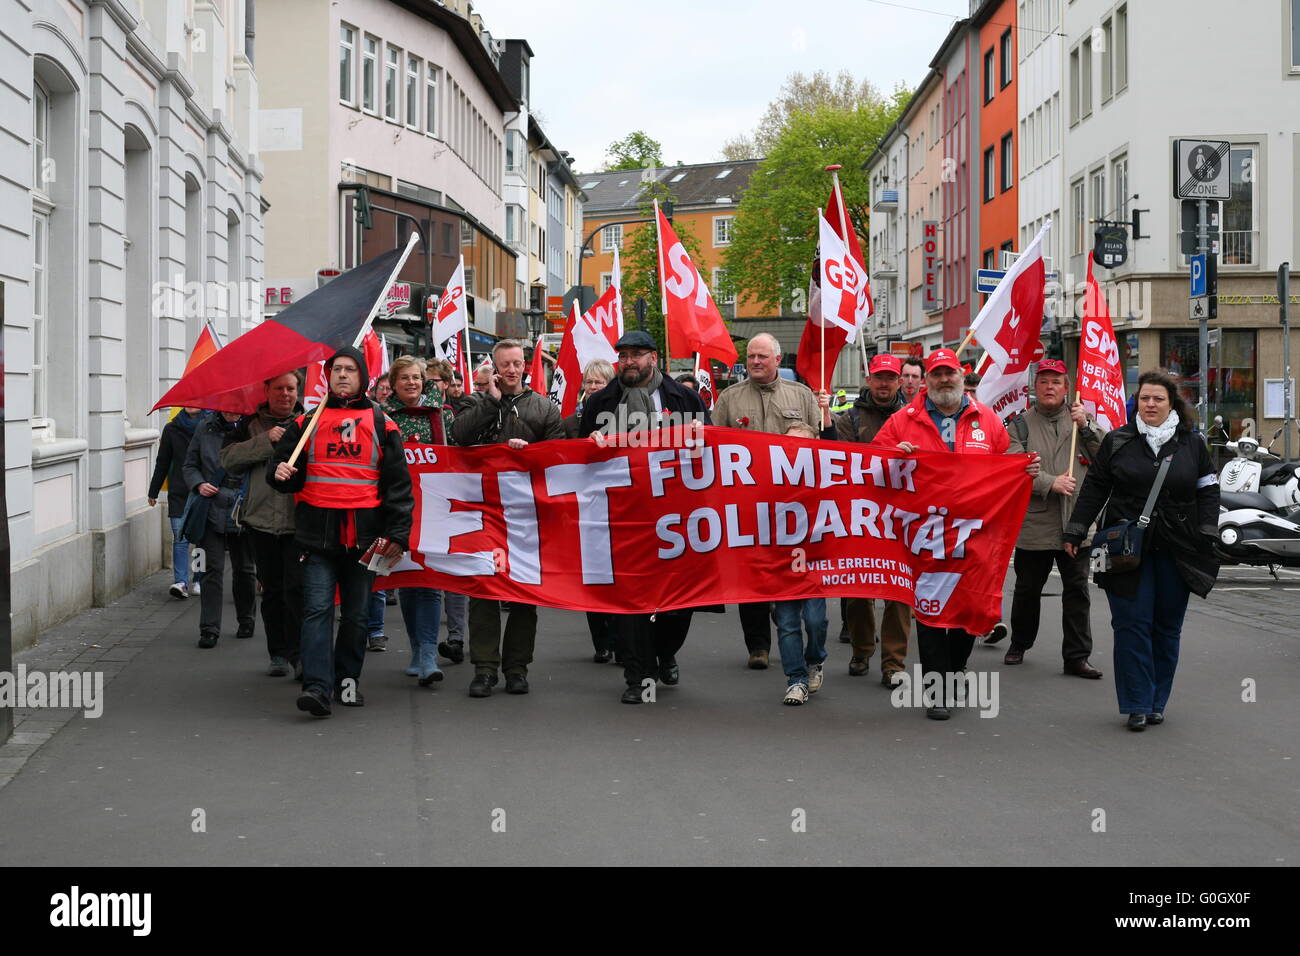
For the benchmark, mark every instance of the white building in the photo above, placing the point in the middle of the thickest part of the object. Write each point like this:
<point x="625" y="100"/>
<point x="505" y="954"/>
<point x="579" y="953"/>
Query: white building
<point x="1137" y="78"/>
<point x="132" y="201"/>
<point x="887" y="170"/>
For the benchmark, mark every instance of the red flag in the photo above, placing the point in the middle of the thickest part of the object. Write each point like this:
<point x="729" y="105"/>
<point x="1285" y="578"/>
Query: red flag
<point x="813" y="361"/>
<point x="207" y="346"/>
<point x="704" y="375"/>
<point x="311" y="329"/>
<point x="692" y="322"/>
<point x="566" y="377"/>
<point x="1101" y="380"/>
<point x="537" y="373"/>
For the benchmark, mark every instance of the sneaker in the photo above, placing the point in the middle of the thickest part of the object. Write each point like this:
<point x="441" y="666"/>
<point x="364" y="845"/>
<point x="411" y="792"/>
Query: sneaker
<point x="815" y="678"/>
<point x="516" y="684"/>
<point x="858" y="666"/>
<point x="758" y="661"/>
<point x="279" y="668"/>
<point x="937" y="713"/>
<point x="178" y="591"/>
<point x="796" y="694"/>
<point x="354" y="699"/>
<point x="888" y="679"/>
<point x="245" y="632"/>
<point x="314" y="703"/>
<point x="377" y="642"/>
<point x="208" y="639"/>
<point x="482" y="684"/>
<point x="999" y="631"/>
<point x="196" y="589"/>
<point x="454" y="651"/>
<point x="1014" y="655"/>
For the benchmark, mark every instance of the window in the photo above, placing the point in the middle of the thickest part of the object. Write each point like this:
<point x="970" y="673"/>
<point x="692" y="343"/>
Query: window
<point x="606" y="280"/>
<point x="1121" y="48"/>
<point x="989" y="173"/>
<point x="392" y="58"/>
<point x="1107" y="57"/>
<point x="611" y="238"/>
<point x="722" y="230"/>
<point x="448" y="240"/>
<point x="515" y="153"/>
<point x="1010" y="245"/>
<point x="1119" y="175"/>
<point x="720" y="277"/>
<point x="431" y="100"/>
<point x="724" y="174"/>
<point x="1098" y="197"/>
<point x="1085" y="79"/>
<point x="369" y="72"/>
<point x="1008" y="72"/>
<point x="514" y="223"/>
<point x="988" y="76"/>
<point x="40" y="135"/>
<point x="413" y="92"/>
<point x="40" y="299"/>
<point x="987" y="259"/>
<point x="1232" y="372"/>
<point x="347" y="64"/>
<point x="1008" y="163"/>
<point x="1240" y="212"/>
<point x="1079" y="218"/>
<point x="1074" y="87"/>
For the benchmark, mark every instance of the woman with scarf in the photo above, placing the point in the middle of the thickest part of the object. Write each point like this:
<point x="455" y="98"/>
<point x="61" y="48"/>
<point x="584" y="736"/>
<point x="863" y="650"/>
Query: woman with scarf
<point x="221" y="535"/>
<point x="169" y="467"/>
<point x="1147" y="604"/>
<point x="416" y="407"/>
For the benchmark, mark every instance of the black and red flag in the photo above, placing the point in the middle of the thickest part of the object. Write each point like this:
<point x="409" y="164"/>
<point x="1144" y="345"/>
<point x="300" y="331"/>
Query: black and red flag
<point x="310" y="330"/>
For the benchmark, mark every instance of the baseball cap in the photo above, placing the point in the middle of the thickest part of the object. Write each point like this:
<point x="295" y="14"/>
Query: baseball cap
<point x="942" y="358"/>
<point x="1051" y="365"/>
<point x="885" y="363"/>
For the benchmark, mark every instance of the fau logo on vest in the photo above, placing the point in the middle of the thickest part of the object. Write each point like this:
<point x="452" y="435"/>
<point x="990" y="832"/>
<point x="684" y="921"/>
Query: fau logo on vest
<point x="347" y="446"/>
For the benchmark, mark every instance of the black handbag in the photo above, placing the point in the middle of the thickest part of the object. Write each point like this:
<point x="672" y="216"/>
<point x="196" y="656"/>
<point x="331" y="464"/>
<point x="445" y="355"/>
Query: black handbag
<point x="1118" y="548"/>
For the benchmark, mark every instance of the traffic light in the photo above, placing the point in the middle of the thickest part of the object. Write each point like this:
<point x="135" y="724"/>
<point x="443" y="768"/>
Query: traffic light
<point x="362" y="202"/>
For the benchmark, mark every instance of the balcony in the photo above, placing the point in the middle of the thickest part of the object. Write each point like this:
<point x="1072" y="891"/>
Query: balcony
<point x="886" y="201"/>
<point x="884" y="267"/>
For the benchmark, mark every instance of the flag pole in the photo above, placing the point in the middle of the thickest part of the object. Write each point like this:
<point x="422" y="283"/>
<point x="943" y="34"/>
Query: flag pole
<point x="663" y="290"/>
<point x="356" y="343"/>
<point x="1074" y="436"/>
<point x="821" y="324"/>
<point x="834" y="170"/>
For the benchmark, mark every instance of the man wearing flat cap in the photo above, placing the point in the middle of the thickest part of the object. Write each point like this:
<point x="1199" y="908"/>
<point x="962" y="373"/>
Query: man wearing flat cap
<point x="1046" y="428"/>
<point x="639" y="398"/>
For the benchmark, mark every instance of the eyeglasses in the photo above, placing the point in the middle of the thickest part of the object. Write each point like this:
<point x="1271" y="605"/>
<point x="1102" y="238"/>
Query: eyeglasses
<point x="438" y="381"/>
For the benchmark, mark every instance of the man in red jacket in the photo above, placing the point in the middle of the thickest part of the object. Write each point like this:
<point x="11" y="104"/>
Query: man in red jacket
<point x="942" y="418"/>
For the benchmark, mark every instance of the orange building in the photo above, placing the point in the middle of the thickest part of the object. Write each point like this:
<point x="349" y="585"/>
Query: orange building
<point x="999" y="214"/>
<point x="705" y="197"/>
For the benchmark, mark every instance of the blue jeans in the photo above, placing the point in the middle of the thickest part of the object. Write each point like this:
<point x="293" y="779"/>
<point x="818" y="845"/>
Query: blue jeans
<point x="375" y="616"/>
<point x="795" y="658"/>
<point x="180" y="553"/>
<point x="1147" y="632"/>
<point x="421" y="613"/>
<point x="326" y="663"/>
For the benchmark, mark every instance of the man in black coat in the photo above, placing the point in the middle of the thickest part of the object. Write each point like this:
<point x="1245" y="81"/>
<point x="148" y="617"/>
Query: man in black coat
<point x="637" y="399"/>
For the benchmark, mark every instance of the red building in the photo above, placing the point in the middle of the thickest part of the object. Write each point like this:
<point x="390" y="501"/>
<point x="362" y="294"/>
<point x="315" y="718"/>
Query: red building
<point x="994" y="23"/>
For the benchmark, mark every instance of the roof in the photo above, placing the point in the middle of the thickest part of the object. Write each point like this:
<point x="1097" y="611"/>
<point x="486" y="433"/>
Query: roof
<point x="958" y="30"/>
<point x="470" y="47"/>
<point x="699" y="184"/>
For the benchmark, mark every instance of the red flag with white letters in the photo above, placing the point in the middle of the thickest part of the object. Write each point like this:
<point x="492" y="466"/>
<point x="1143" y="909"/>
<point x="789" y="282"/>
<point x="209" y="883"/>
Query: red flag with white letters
<point x="692" y="321"/>
<point x="1101" y="380"/>
<point x="566" y="377"/>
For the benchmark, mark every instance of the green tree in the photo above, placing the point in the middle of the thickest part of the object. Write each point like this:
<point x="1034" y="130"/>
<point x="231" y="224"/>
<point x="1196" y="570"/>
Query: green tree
<point x="639" y="262"/>
<point x="775" y="231"/>
<point x="636" y="150"/>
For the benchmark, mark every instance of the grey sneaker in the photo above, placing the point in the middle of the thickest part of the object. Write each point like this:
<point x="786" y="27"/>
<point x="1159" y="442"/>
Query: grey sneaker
<point x="279" y="668"/>
<point x="178" y="591"/>
<point x="814" y="678"/>
<point x="796" y="694"/>
<point x="377" y="643"/>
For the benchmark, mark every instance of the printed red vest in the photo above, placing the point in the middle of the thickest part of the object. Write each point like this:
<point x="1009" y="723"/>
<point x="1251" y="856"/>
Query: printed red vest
<point x="343" y="460"/>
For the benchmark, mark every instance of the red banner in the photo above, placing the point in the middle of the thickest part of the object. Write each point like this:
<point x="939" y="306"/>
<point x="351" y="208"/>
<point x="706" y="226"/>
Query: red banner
<point x="1101" y="380"/>
<point x="746" y="517"/>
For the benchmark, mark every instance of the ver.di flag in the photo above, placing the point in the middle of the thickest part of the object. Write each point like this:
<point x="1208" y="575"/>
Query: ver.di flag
<point x="1101" y="380"/>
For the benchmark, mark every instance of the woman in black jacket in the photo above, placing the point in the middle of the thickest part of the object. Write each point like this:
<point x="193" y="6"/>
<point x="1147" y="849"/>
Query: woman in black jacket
<point x="1147" y="605"/>
<point x="169" y="468"/>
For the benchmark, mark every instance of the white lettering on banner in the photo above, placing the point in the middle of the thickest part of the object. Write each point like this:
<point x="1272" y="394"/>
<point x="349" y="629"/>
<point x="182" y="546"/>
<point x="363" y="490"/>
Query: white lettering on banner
<point x="933" y="588"/>
<point x="439" y="524"/>
<point x="590" y="483"/>
<point x="683" y="280"/>
<point x="522" y="540"/>
<point x="733" y="465"/>
<point x="786" y="534"/>
<point x="1096" y="338"/>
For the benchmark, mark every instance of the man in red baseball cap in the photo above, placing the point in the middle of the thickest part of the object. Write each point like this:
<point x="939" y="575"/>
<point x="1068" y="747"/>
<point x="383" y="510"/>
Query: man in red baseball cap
<point x="881" y="398"/>
<point x="1046" y="429"/>
<point x="943" y="418"/>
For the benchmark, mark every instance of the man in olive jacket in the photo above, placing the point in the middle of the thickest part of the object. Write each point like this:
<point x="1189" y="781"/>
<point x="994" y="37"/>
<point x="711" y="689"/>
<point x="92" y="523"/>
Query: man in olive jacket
<point x="268" y="520"/>
<point x="1046" y="428"/>
<point x="765" y="402"/>
<point x="880" y="399"/>
<point x="504" y="411"/>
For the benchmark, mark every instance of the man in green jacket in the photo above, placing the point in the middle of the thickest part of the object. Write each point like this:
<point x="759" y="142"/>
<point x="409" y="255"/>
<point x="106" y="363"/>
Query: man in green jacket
<point x="268" y="519"/>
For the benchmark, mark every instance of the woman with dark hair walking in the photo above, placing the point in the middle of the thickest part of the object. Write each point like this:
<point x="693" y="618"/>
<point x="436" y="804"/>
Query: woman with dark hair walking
<point x="1147" y="603"/>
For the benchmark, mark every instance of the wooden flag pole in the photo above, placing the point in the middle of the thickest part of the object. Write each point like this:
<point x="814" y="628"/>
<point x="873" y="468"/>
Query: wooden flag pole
<point x="1074" y="436"/>
<point x="356" y="343"/>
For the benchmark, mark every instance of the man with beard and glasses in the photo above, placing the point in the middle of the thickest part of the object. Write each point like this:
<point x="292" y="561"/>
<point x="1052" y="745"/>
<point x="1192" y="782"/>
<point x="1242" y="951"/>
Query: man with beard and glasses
<point x="638" y="400"/>
<point x="943" y="418"/>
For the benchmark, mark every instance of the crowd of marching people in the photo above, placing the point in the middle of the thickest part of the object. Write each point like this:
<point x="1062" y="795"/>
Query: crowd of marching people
<point x="290" y="525"/>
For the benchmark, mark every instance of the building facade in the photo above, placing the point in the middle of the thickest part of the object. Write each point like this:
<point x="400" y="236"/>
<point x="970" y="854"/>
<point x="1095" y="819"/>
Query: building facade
<point x="999" y="213"/>
<point x="926" y="169"/>
<point x="1118" y="155"/>
<point x="133" y="211"/>
<point x="887" y="172"/>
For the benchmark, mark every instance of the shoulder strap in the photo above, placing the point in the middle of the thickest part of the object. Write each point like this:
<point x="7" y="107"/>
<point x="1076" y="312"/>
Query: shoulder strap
<point x="1155" y="492"/>
<point x="1022" y="429"/>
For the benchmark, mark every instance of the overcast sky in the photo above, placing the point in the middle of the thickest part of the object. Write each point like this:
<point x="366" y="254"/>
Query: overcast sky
<point x="597" y="75"/>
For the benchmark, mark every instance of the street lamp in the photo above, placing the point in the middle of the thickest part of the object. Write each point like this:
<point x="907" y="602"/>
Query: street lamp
<point x="534" y="322"/>
<point x="585" y="251"/>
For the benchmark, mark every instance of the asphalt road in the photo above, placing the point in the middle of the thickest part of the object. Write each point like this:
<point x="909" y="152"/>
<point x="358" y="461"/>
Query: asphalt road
<point x="717" y="771"/>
